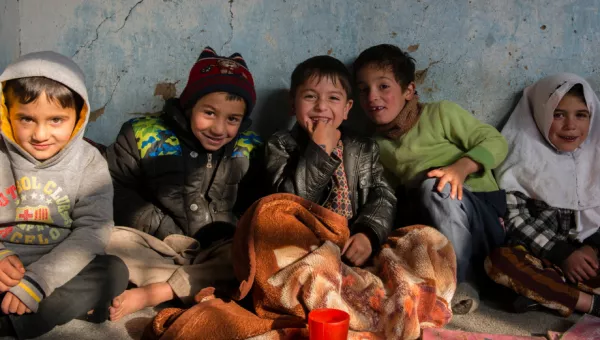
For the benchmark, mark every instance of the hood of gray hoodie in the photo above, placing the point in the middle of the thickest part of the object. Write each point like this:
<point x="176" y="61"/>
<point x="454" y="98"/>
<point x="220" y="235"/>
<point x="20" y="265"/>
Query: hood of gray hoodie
<point x="57" y="67"/>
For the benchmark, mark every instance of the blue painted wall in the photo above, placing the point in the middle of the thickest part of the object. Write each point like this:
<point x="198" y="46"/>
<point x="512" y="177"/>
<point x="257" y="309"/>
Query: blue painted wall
<point x="9" y="32"/>
<point x="479" y="53"/>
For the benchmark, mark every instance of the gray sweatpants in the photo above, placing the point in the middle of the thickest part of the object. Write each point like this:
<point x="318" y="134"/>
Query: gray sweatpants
<point x="463" y="222"/>
<point x="177" y="260"/>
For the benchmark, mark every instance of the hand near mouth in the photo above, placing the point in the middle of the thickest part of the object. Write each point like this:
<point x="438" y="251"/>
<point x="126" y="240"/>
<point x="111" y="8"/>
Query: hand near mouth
<point x="323" y="133"/>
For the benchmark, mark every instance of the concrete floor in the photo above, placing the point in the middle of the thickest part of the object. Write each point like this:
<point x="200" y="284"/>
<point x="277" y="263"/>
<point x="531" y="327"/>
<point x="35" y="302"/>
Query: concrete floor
<point x="491" y="317"/>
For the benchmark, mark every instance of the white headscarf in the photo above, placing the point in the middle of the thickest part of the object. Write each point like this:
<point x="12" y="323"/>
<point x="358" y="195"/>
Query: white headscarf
<point x="569" y="180"/>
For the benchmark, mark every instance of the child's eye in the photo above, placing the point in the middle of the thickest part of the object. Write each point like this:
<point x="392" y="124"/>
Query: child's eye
<point x="334" y="98"/>
<point x="583" y="115"/>
<point x="384" y="86"/>
<point x="234" y="119"/>
<point x="558" y="115"/>
<point x="56" y="120"/>
<point x="25" y="120"/>
<point x="309" y="96"/>
<point x="209" y="113"/>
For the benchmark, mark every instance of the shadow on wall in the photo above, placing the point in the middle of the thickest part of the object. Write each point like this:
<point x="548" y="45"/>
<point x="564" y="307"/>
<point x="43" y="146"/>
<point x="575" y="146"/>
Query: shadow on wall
<point x="516" y="97"/>
<point x="274" y="114"/>
<point x="358" y="123"/>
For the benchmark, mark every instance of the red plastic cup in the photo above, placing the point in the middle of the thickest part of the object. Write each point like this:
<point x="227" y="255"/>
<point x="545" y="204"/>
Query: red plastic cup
<point x="328" y="324"/>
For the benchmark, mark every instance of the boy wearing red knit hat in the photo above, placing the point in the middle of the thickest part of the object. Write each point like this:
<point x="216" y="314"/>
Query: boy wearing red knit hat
<point x="176" y="179"/>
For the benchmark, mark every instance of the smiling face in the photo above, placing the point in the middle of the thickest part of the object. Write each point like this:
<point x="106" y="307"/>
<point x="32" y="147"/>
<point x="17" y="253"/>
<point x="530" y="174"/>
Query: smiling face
<point x="570" y="125"/>
<point x="42" y="127"/>
<point x="321" y="99"/>
<point x="381" y="96"/>
<point x="216" y="119"/>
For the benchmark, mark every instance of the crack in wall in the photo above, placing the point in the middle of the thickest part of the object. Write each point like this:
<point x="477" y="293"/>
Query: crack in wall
<point x="94" y="115"/>
<point x="230" y="26"/>
<point x="128" y="14"/>
<point x="19" y="37"/>
<point x="88" y="45"/>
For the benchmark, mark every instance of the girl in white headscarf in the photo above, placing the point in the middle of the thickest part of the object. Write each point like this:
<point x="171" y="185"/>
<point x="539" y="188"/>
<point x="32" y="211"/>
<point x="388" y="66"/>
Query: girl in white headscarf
<point x="552" y="180"/>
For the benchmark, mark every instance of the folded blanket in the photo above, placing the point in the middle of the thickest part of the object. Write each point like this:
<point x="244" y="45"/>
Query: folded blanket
<point x="287" y="257"/>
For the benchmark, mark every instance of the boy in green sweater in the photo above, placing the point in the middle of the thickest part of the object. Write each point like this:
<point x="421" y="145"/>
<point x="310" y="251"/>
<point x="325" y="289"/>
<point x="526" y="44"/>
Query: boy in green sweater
<point x="441" y="153"/>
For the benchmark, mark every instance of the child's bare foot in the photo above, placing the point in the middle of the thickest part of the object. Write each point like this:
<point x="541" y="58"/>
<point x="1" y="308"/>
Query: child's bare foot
<point x="133" y="300"/>
<point x="129" y="302"/>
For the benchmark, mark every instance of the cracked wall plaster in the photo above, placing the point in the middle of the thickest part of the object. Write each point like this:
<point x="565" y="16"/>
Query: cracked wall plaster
<point x="479" y="54"/>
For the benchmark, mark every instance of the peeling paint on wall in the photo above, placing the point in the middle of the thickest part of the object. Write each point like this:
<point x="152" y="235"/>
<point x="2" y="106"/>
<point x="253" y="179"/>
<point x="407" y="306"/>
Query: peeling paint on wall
<point x="94" y="115"/>
<point x="480" y="54"/>
<point x="413" y="48"/>
<point x="166" y="90"/>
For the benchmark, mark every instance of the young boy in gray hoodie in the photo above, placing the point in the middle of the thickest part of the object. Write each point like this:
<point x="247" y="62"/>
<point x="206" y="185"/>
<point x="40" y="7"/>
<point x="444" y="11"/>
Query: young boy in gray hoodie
<point x="55" y="202"/>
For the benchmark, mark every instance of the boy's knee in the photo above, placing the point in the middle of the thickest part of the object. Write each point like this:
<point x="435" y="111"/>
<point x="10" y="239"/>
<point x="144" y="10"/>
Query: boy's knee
<point x="429" y="193"/>
<point x="117" y="274"/>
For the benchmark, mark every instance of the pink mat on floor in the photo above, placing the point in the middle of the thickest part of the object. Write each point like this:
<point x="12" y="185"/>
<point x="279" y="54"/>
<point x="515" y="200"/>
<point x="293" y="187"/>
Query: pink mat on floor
<point x="446" y="334"/>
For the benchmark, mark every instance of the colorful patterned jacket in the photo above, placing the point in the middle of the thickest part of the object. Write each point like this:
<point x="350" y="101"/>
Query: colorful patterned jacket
<point x="166" y="183"/>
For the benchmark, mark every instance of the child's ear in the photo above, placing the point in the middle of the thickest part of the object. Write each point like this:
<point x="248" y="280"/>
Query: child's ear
<point x="410" y="91"/>
<point x="347" y="108"/>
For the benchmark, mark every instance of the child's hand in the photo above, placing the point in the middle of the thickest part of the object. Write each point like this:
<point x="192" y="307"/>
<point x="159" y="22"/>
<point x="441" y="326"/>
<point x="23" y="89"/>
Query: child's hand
<point x="324" y="134"/>
<point x="455" y="174"/>
<point x="11" y="272"/>
<point x="581" y="265"/>
<point x="357" y="249"/>
<point x="12" y="305"/>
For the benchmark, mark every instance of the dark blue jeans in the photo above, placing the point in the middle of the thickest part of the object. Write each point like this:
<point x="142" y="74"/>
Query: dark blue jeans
<point x="471" y="224"/>
<point x="93" y="288"/>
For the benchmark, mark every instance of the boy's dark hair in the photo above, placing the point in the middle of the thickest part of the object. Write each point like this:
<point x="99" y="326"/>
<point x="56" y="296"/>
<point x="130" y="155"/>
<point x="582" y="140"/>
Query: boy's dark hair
<point x="321" y="66"/>
<point x="577" y="91"/>
<point x="386" y="56"/>
<point x="27" y="90"/>
<point x="232" y="97"/>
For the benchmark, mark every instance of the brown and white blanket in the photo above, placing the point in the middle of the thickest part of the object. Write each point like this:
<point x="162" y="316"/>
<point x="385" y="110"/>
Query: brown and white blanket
<point x="287" y="258"/>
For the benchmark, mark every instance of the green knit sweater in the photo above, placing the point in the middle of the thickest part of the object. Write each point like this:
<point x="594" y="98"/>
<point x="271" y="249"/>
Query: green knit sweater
<point x="444" y="133"/>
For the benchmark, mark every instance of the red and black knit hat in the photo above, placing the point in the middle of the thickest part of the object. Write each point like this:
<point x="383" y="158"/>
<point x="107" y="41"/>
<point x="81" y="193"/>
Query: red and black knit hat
<point x="214" y="73"/>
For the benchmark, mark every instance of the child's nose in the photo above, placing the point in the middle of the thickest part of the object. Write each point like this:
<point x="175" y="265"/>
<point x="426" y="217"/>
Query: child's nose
<point x="569" y="123"/>
<point x="40" y="133"/>
<point x="320" y="105"/>
<point x="372" y="96"/>
<point x="218" y="128"/>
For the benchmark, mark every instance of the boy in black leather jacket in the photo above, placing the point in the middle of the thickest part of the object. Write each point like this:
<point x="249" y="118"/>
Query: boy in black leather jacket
<point x="318" y="162"/>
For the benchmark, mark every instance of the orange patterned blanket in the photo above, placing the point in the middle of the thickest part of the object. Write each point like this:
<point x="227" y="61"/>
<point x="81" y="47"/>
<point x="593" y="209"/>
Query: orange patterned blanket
<point x="287" y="257"/>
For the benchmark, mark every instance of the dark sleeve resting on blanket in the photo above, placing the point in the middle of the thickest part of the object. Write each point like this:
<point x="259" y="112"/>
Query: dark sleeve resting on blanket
<point x="377" y="210"/>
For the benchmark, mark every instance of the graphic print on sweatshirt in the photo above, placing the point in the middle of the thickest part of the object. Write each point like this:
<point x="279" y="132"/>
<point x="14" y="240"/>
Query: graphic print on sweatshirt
<point x="42" y="212"/>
